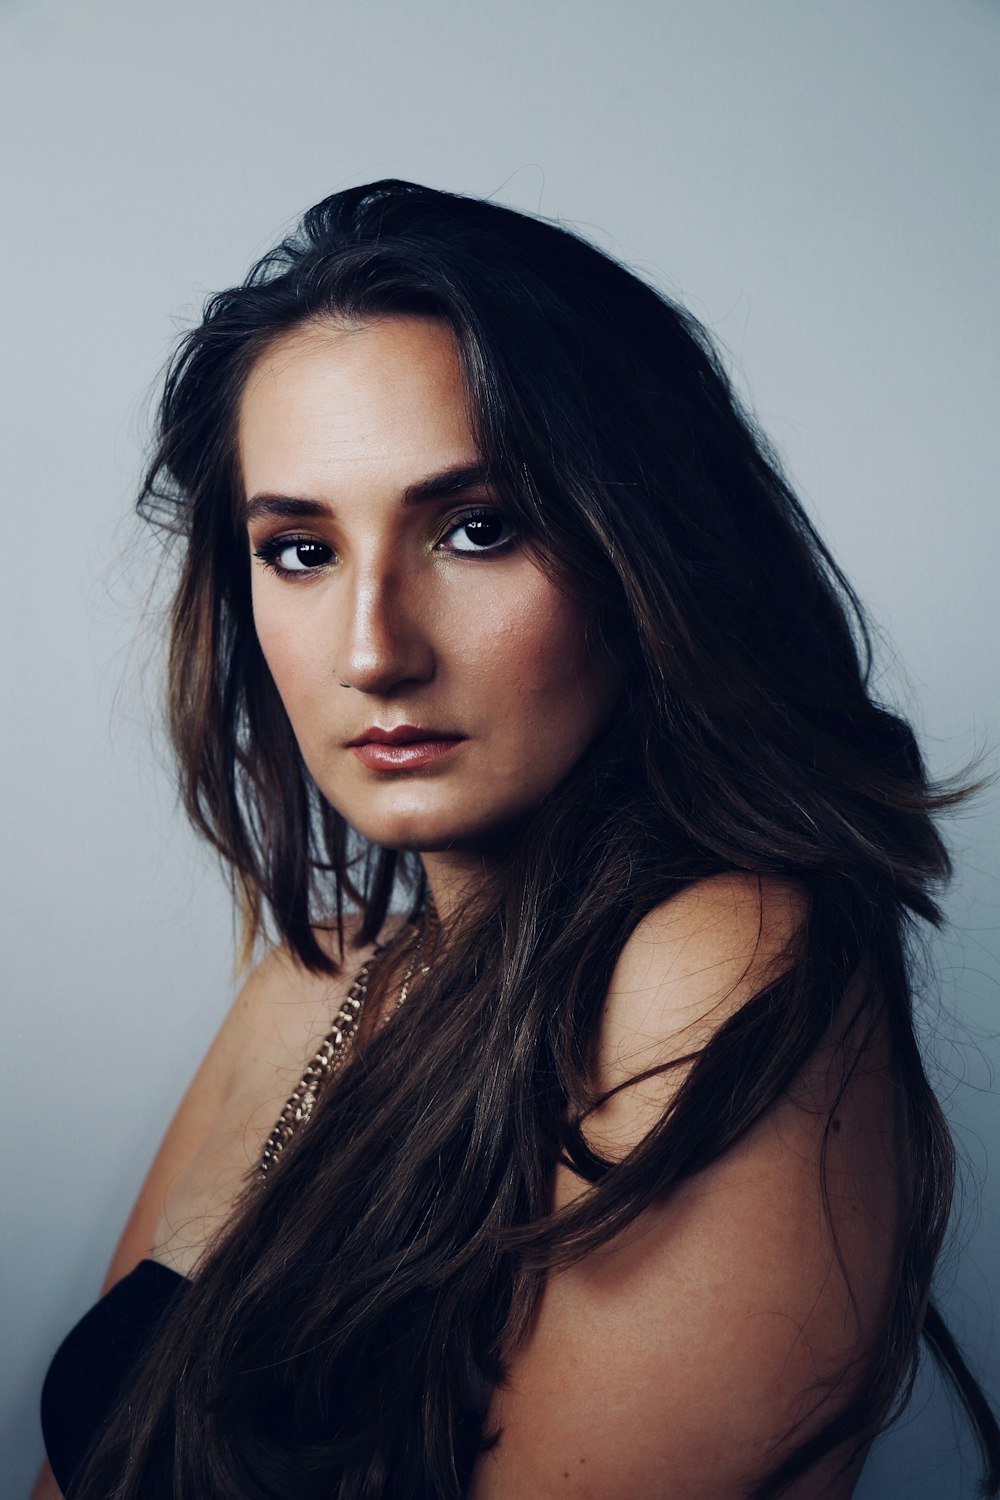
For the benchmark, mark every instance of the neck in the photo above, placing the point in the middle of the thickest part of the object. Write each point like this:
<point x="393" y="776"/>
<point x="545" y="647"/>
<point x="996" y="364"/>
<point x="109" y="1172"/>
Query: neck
<point x="452" y="878"/>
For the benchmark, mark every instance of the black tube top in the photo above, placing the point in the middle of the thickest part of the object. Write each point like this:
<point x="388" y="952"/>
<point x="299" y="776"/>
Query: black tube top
<point x="90" y="1368"/>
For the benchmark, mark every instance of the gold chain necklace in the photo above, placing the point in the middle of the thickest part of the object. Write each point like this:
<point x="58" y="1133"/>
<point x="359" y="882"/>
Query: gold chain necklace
<point x="333" y="1050"/>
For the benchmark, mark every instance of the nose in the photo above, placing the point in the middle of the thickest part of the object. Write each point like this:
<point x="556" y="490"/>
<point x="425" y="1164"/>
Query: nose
<point x="385" y="645"/>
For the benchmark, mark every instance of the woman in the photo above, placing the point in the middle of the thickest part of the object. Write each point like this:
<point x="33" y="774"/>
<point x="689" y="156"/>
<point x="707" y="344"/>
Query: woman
<point x="618" y="1173"/>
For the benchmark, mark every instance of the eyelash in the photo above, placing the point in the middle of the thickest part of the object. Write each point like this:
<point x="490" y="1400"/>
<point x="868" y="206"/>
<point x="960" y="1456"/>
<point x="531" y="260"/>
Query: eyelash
<point x="269" y="551"/>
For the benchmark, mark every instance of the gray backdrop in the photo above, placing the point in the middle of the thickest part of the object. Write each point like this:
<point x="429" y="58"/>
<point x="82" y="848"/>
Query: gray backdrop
<point x="817" y="181"/>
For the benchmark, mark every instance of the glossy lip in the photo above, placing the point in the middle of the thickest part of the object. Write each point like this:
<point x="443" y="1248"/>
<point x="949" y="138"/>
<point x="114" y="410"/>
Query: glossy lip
<point x="403" y="734"/>
<point x="404" y="748"/>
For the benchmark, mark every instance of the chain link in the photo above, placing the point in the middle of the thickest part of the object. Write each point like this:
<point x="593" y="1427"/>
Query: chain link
<point x="333" y="1051"/>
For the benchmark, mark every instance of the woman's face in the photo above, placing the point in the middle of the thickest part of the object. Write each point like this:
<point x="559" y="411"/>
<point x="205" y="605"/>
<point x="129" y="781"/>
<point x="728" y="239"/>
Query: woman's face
<point x="392" y="598"/>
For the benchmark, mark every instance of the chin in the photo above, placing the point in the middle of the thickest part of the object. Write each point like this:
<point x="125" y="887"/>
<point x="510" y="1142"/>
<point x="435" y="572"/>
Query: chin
<point x="430" y="841"/>
<point x="434" y="835"/>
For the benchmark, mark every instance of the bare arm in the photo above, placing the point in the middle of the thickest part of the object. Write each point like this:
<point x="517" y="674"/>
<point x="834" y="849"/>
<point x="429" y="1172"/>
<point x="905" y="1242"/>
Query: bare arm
<point x="236" y="1095"/>
<point x="45" y="1485"/>
<point x="185" y="1135"/>
<point x="265" y="1032"/>
<point x="673" y="1361"/>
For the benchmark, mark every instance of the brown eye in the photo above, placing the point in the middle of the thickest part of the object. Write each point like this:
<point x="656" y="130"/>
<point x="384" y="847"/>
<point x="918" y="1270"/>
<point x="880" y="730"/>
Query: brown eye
<point x="295" y="554"/>
<point x="480" y="531"/>
<point x="298" y="556"/>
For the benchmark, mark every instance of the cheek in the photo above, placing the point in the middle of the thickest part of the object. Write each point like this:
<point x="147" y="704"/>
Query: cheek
<point x="541" y="669"/>
<point x="292" y="654"/>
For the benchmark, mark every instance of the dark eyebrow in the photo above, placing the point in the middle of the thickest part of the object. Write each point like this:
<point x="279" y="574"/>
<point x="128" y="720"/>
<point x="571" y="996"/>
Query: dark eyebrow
<point x="287" y="507"/>
<point x="453" y="481"/>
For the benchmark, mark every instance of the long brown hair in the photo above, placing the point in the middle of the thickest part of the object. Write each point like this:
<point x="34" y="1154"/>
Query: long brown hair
<point x="327" y="1340"/>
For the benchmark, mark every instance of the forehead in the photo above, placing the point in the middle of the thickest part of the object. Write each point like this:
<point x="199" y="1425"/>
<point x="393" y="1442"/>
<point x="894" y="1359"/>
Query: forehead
<point x="384" y="398"/>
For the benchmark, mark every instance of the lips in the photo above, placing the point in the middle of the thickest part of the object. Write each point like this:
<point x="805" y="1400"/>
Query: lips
<point x="403" y="734"/>
<point x="405" y="748"/>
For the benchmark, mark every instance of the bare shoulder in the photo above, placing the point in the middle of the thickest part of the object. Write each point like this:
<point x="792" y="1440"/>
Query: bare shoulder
<point x="283" y="1006"/>
<point x="743" y="1304"/>
<point x="278" y="998"/>
<point x="687" y="967"/>
<point x="696" y="957"/>
<point x="268" y="1034"/>
<point x="280" y="1004"/>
